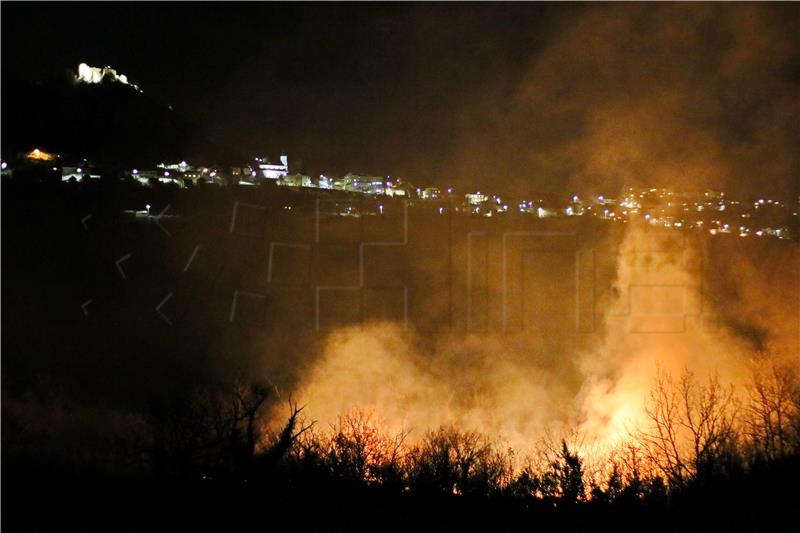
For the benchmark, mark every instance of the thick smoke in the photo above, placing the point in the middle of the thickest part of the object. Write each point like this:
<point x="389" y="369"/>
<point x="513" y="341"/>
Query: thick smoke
<point x="660" y="315"/>
<point x="475" y="383"/>
<point x="679" y="95"/>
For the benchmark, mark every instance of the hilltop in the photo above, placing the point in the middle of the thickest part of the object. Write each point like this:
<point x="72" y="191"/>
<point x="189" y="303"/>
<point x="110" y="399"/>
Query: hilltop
<point x="109" y="121"/>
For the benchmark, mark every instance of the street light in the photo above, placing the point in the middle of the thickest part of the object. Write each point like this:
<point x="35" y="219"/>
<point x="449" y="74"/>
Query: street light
<point x="148" y="209"/>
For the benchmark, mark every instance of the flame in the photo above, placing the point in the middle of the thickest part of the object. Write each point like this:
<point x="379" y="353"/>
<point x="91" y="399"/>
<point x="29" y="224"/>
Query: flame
<point x="656" y="319"/>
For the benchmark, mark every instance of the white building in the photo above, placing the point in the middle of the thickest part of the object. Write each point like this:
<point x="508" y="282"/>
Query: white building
<point x="430" y="193"/>
<point x="79" y="173"/>
<point x="476" y="199"/>
<point x="295" y="180"/>
<point x="92" y="75"/>
<point x="272" y="171"/>
<point x="360" y="184"/>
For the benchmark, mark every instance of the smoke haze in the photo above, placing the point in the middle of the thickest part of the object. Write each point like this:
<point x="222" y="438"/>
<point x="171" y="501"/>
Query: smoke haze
<point x="673" y="95"/>
<point x="659" y="316"/>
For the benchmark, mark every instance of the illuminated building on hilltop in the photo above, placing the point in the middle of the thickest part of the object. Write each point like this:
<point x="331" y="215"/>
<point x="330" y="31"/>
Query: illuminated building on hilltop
<point x="180" y="174"/>
<point x="360" y="184"/>
<point x="430" y="193"/>
<point x="398" y="187"/>
<point x="476" y="199"/>
<point x="273" y="171"/>
<point x="252" y="174"/>
<point x="40" y="155"/>
<point x="296" y="180"/>
<point x="94" y="75"/>
<point x="78" y="173"/>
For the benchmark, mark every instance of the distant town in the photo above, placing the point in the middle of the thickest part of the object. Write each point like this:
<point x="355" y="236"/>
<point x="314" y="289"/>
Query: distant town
<point x="708" y="211"/>
<point x="704" y="210"/>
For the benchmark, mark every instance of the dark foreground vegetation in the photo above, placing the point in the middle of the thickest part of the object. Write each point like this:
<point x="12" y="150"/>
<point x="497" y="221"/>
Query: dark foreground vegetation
<point x="707" y="460"/>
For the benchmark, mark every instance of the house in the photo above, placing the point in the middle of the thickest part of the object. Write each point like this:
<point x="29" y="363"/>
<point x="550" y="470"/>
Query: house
<point x="273" y="171"/>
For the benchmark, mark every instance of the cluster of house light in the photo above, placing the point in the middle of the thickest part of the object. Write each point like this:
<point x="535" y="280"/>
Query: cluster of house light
<point x="664" y="203"/>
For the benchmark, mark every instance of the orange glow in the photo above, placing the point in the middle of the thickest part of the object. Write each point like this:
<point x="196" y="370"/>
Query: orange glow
<point x="40" y="155"/>
<point x="491" y="384"/>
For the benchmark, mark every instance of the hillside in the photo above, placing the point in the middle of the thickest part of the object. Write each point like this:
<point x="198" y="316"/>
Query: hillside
<point x="108" y="122"/>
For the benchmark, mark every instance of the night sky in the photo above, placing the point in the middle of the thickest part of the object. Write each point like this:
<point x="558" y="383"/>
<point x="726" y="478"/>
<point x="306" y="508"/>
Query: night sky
<point x="182" y="356"/>
<point x="515" y="97"/>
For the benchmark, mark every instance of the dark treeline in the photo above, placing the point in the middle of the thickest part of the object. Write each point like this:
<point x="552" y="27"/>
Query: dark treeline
<point x="706" y="460"/>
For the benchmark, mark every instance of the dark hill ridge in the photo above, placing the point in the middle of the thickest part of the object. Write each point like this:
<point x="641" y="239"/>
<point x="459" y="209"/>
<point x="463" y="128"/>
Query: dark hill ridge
<point x="109" y="122"/>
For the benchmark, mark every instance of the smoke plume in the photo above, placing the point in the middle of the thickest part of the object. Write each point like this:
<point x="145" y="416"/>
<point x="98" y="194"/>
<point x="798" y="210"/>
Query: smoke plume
<point x="679" y="95"/>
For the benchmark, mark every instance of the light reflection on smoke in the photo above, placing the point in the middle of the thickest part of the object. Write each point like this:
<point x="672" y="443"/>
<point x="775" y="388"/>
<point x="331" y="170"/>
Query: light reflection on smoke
<point x="491" y="383"/>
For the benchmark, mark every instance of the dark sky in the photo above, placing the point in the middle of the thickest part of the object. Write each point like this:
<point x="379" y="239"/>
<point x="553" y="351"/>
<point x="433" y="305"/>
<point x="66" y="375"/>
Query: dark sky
<point x="522" y="96"/>
<point x="363" y="87"/>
